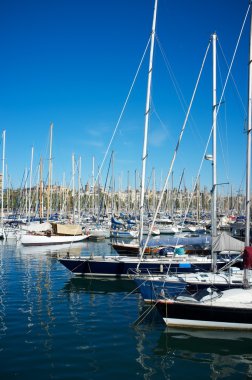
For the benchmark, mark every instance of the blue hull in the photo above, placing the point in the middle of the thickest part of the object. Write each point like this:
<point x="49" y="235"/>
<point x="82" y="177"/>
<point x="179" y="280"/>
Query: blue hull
<point x="119" y="268"/>
<point x="153" y="290"/>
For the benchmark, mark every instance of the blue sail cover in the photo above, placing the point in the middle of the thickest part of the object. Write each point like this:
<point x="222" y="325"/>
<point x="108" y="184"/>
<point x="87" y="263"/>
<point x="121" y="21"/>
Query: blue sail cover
<point x="116" y="221"/>
<point x="132" y="222"/>
<point x="172" y="240"/>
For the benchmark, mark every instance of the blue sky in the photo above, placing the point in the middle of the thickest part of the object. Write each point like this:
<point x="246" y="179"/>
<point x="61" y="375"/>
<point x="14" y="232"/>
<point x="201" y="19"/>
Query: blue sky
<point x="72" y="63"/>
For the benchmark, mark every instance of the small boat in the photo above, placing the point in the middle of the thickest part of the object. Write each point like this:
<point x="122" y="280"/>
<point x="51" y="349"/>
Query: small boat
<point x="154" y="232"/>
<point x="119" y="229"/>
<point x="132" y="249"/>
<point x="97" y="232"/>
<point x="123" y="233"/>
<point x="209" y="308"/>
<point x="171" y="285"/>
<point x="55" y="234"/>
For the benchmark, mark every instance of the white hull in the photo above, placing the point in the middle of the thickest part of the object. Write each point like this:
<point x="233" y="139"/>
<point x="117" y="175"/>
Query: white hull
<point x="29" y="240"/>
<point x="175" y="322"/>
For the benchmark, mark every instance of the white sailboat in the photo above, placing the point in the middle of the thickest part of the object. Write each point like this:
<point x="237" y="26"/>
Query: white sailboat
<point x="51" y="233"/>
<point x="229" y="309"/>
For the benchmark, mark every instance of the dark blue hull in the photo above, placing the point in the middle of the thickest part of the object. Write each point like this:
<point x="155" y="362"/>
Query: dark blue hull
<point x="207" y="316"/>
<point x="153" y="290"/>
<point x="122" y="268"/>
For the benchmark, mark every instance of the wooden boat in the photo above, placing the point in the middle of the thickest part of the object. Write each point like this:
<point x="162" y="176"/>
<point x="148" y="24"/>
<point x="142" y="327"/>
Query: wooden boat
<point x="59" y="234"/>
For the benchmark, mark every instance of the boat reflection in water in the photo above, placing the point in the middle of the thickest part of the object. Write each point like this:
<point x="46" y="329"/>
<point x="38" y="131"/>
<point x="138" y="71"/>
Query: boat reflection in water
<point x="222" y="354"/>
<point x="225" y="353"/>
<point x="80" y="284"/>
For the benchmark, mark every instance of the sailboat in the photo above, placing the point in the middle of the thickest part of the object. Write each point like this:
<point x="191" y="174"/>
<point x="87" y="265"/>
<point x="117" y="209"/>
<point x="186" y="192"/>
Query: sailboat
<point x="211" y="309"/>
<point x="51" y="233"/>
<point x="170" y="285"/>
<point x="123" y="265"/>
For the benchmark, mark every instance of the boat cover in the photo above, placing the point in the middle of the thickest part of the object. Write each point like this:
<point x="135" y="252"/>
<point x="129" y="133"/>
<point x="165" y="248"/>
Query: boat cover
<point x="174" y="241"/>
<point x="225" y="242"/>
<point x="116" y="221"/>
<point x="67" y="229"/>
<point x="38" y="227"/>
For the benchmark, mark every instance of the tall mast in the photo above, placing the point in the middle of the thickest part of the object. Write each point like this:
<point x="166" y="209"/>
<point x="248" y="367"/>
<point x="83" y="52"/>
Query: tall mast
<point x="73" y="186"/>
<point x="135" y="201"/>
<point x="93" y="180"/>
<point x="248" y="175"/>
<point x="147" y="113"/>
<point x="128" y="194"/>
<point x="29" y="204"/>
<point x="26" y="192"/>
<point x="79" y="190"/>
<point x="112" y="186"/>
<point x="49" y="176"/>
<point x="7" y="189"/>
<point x="41" y="203"/>
<point x="2" y="188"/>
<point x="214" y="183"/>
<point x="153" y="190"/>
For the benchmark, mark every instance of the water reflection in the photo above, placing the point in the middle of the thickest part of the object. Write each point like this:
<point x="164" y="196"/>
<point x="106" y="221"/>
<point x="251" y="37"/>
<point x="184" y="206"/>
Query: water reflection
<point x="81" y="284"/>
<point x="225" y="353"/>
<point x="167" y="352"/>
<point x="3" y="326"/>
<point x="73" y="327"/>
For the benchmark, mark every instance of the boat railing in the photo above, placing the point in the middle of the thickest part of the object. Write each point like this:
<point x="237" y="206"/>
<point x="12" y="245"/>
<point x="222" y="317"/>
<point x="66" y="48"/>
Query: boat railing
<point x="232" y="262"/>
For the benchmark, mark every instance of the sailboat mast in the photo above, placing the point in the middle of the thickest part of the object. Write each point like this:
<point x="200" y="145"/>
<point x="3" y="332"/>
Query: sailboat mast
<point x="41" y="204"/>
<point x="79" y="192"/>
<point x="31" y="167"/>
<point x="73" y="186"/>
<point x="93" y="183"/>
<point x="49" y="175"/>
<point x="2" y="187"/>
<point x="147" y="113"/>
<point x="248" y="175"/>
<point x="214" y="175"/>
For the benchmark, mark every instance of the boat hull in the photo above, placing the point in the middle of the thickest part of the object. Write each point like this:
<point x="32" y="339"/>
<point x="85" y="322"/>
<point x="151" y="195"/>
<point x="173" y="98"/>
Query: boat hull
<point x="153" y="290"/>
<point x="37" y="240"/>
<point x="132" y="250"/>
<point x="185" y="315"/>
<point x="125" y="266"/>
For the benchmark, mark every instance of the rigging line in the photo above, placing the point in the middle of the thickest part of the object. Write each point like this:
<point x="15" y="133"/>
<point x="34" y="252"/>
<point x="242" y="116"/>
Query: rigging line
<point x="158" y="117"/>
<point x="175" y="152"/>
<point x="232" y="61"/>
<point x="218" y="129"/>
<point x="173" y="78"/>
<point x="145" y="314"/>
<point x="122" y="111"/>
<point x="220" y="135"/>
<point x="220" y="101"/>
<point x="222" y="149"/>
<point x="236" y="87"/>
<point x="177" y="88"/>
<point x="218" y="107"/>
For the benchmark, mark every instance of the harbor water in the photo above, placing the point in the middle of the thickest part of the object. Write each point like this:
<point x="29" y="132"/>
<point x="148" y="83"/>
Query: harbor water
<point x="57" y="326"/>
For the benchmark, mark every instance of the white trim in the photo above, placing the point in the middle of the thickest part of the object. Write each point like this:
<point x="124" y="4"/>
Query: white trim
<point x="175" y="322"/>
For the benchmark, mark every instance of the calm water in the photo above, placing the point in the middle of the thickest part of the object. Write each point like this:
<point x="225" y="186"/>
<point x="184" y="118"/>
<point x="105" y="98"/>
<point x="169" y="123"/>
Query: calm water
<point x="55" y="326"/>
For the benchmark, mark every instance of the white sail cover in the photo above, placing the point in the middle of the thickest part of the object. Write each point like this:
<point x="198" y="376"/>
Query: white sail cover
<point x="225" y="242"/>
<point x="38" y="227"/>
